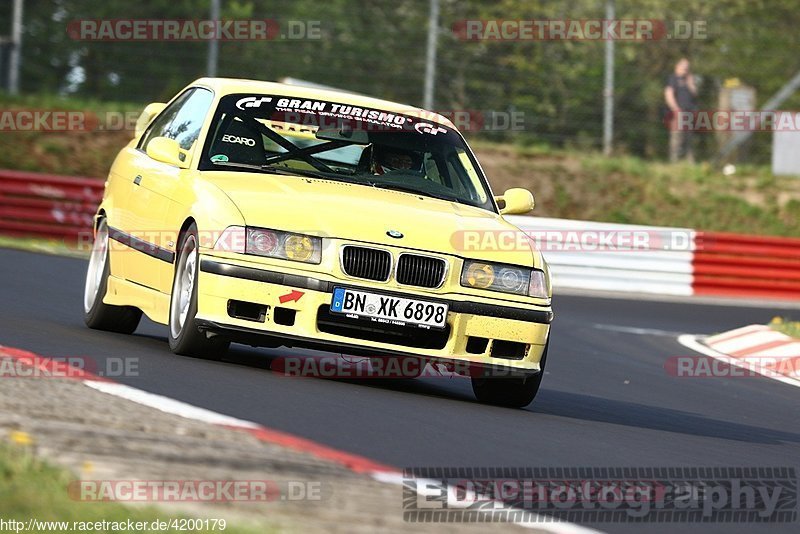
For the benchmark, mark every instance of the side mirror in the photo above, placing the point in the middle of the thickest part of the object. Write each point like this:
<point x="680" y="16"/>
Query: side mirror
<point x="517" y="201"/>
<point x="167" y="151"/>
<point x="147" y="117"/>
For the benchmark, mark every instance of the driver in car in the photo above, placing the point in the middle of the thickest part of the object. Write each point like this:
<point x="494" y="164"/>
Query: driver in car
<point x="387" y="159"/>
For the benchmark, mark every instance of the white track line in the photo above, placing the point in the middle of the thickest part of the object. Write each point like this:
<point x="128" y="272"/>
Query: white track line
<point x="634" y="330"/>
<point x="692" y="342"/>
<point x="188" y="411"/>
<point x="168" y="405"/>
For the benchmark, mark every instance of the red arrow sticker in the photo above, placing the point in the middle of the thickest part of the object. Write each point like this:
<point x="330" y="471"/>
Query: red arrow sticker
<point x="293" y="296"/>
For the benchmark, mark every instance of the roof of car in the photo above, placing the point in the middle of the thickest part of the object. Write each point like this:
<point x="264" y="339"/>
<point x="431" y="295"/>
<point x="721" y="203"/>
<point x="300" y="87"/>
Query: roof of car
<point x="236" y="85"/>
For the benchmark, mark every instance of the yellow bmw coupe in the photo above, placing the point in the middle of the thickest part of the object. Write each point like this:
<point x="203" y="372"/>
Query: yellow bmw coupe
<point x="269" y="214"/>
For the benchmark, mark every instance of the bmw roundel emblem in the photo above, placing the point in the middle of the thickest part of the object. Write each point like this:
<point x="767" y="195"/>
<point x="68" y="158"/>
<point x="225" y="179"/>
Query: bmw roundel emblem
<point x="395" y="234"/>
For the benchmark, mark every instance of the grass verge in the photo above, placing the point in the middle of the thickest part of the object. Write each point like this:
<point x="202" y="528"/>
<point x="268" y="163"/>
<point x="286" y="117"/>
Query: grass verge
<point x="33" y="489"/>
<point x="44" y="246"/>
<point x="786" y="326"/>
<point x="624" y="189"/>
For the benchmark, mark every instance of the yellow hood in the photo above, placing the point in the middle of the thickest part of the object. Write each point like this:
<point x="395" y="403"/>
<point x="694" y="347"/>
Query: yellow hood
<point x="355" y="212"/>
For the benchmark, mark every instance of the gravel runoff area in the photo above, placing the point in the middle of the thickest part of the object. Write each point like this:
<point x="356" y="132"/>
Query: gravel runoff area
<point x="102" y="437"/>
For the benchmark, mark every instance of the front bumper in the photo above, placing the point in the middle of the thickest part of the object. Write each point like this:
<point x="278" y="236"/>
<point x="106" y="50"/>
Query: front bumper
<point x="485" y="333"/>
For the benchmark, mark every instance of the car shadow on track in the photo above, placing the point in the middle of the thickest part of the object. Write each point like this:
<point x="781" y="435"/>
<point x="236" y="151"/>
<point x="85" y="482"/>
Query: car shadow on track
<point x="599" y="409"/>
<point x="445" y="387"/>
<point x="549" y="402"/>
<point x="557" y="403"/>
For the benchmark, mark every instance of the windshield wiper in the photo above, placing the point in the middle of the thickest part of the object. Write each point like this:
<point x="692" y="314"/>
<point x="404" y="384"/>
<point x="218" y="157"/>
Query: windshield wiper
<point x="407" y="189"/>
<point x="270" y="169"/>
<point x="289" y="171"/>
<point x="247" y="166"/>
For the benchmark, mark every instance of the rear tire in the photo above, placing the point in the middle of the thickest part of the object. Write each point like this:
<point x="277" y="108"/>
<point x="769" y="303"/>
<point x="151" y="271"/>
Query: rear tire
<point x="184" y="336"/>
<point x="96" y="314"/>
<point x="509" y="392"/>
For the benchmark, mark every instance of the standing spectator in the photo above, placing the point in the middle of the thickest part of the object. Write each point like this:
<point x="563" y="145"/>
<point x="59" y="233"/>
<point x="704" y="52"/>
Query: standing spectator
<point x="680" y="93"/>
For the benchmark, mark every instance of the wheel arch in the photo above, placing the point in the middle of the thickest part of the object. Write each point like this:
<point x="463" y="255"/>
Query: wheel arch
<point x="187" y="223"/>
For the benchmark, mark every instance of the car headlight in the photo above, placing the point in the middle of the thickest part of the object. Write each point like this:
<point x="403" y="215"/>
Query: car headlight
<point x="271" y="244"/>
<point x="504" y="278"/>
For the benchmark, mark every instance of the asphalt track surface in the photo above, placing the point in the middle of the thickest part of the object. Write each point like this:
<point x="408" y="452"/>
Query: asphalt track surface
<point x="606" y="399"/>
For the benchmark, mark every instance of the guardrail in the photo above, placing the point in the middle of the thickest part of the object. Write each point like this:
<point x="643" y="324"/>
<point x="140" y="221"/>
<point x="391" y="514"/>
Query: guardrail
<point x="746" y="265"/>
<point x="45" y="205"/>
<point x="581" y="254"/>
<point x="667" y="261"/>
<point x="614" y="257"/>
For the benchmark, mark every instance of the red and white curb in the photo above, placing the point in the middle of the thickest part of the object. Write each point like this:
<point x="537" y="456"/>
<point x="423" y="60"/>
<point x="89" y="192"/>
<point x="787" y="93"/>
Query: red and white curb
<point x="757" y="348"/>
<point x="355" y="463"/>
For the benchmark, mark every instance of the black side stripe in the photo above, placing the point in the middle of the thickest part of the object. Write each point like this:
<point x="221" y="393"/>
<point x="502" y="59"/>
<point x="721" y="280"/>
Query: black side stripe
<point x="142" y="246"/>
<point x="260" y="275"/>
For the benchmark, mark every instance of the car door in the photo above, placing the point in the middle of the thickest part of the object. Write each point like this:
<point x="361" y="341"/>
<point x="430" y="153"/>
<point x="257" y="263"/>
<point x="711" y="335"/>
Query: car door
<point x="155" y="186"/>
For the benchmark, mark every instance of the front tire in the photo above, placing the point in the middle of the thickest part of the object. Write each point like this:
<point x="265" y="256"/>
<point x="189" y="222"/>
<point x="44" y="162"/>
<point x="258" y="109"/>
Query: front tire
<point x="184" y="336"/>
<point x="96" y="314"/>
<point x="509" y="392"/>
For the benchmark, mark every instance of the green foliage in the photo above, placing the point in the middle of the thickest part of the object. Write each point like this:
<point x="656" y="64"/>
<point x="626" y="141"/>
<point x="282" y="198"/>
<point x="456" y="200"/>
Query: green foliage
<point x="30" y="488"/>
<point x="628" y="189"/>
<point x="378" y="48"/>
<point x="576" y="184"/>
<point x="786" y="326"/>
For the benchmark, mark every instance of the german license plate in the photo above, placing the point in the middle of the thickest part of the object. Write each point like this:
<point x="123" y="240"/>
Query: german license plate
<point x="389" y="309"/>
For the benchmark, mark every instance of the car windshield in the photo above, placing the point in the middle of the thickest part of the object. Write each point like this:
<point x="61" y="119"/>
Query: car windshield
<point x="334" y="141"/>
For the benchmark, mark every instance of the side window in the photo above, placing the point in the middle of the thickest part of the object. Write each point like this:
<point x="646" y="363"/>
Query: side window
<point x="159" y="126"/>
<point x="182" y="120"/>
